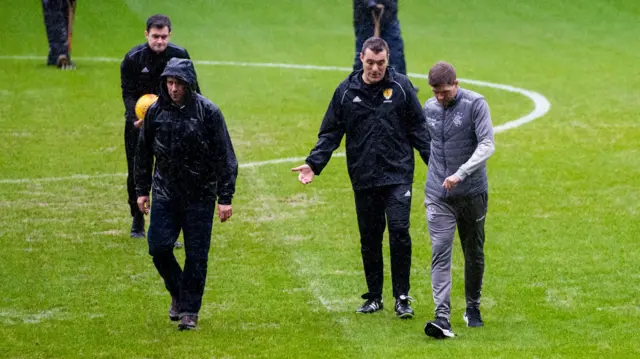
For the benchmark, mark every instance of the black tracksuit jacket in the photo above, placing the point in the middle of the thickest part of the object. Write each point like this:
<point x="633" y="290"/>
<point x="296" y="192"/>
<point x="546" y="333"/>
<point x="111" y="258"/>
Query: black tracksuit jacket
<point x="140" y="72"/>
<point x="383" y="123"/>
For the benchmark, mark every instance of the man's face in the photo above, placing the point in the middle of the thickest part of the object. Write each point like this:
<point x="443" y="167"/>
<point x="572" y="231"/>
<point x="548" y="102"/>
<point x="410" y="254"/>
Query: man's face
<point x="445" y="93"/>
<point x="158" y="39"/>
<point x="176" y="89"/>
<point x="374" y="65"/>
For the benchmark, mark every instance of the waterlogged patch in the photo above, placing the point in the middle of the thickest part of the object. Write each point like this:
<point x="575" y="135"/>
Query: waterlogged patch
<point x="347" y="273"/>
<point x="562" y="298"/>
<point x="111" y="232"/>
<point x="258" y="326"/>
<point x="20" y="134"/>
<point x="628" y="309"/>
<point x="296" y="238"/>
<point x="293" y="290"/>
<point x="302" y="199"/>
<point x="13" y="316"/>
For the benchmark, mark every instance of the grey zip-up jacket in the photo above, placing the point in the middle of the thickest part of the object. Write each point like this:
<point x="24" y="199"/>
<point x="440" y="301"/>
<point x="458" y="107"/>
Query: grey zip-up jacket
<point x="461" y="138"/>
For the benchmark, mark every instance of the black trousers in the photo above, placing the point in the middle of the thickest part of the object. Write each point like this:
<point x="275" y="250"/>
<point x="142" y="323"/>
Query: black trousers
<point x="56" y="21"/>
<point x="195" y="219"/>
<point x="376" y="208"/>
<point x="131" y="134"/>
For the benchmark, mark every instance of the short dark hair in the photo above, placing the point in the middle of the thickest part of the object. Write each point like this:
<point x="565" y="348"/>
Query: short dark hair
<point x="375" y="44"/>
<point x="442" y="73"/>
<point x="158" y="21"/>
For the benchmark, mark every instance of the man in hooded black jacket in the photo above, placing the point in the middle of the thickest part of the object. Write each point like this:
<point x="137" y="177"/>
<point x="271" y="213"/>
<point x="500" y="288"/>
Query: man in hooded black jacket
<point x="194" y="164"/>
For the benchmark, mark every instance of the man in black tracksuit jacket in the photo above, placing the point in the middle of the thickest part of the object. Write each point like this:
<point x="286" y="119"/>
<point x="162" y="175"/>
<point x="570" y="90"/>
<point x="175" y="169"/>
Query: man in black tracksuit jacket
<point x="194" y="164"/>
<point x="140" y="74"/>
<point x="378" y="110"/>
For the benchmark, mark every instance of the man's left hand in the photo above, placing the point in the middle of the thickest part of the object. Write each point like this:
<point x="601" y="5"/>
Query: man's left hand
<point x="451" y="182"/>
<point x="224" y="212"/>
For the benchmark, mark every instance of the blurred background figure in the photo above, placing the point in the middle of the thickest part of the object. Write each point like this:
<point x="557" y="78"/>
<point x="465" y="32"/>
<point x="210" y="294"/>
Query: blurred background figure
<point x="386" y="12"/>
<point x="58" y="21"/>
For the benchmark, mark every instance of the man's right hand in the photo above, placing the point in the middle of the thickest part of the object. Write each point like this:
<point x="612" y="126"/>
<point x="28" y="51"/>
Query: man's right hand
<point x="143" y="204"/>
<point x="305" y="173"/>
<point x="138" y="123"/>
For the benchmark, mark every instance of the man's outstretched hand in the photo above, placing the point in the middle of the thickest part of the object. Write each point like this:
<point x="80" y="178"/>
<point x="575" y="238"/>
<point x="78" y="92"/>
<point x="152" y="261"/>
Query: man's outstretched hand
<point x="305" y="174"/>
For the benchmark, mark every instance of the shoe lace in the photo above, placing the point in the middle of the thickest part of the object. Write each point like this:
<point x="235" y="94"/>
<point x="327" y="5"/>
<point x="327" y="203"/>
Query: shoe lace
<point x="404" y="300"/>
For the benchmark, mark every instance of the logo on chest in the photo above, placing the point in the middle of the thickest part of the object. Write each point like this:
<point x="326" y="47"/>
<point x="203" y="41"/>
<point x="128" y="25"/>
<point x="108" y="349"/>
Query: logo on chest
<point x="457" y="119"/>
<point x="387" y="93"/>
<point x="431" y="121"/>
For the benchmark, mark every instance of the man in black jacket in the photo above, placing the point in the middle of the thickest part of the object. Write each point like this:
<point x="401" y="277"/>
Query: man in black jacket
<point x="139" y="75"/>
<point x="194" y="164"/>
<point x="363" y="24"/>
<point x="378" y="110"/>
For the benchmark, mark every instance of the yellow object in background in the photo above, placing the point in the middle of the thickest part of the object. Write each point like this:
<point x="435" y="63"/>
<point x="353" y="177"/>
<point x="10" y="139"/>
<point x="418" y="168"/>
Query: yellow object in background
<point x="143" y="103"/>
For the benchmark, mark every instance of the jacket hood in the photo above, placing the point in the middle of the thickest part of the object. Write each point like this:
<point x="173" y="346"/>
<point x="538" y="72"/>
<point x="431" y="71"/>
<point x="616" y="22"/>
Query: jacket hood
<point x="182" y="69"/>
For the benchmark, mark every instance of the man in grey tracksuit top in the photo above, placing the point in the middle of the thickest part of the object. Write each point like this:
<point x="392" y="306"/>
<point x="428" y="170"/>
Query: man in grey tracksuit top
<point x="461" y="137"/>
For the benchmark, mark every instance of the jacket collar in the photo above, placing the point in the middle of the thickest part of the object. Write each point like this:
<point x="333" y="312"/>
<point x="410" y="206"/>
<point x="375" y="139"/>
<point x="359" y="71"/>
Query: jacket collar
<point x="356" y="82"/>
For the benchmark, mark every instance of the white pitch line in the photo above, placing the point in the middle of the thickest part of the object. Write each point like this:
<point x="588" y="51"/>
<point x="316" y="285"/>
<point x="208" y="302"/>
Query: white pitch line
<point x="121" y="174"/>
<point x="541" y="107"/>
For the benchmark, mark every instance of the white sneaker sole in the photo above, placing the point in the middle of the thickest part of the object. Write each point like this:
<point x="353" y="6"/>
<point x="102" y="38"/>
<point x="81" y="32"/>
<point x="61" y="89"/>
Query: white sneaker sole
<point x="433" y="330"/>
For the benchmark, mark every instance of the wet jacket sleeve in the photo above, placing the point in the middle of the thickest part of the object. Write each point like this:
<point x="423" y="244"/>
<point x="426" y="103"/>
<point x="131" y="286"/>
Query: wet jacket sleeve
<point x="128" y="82"/>
<point x="143" y="163"/>
<point x="484" y="135"/>
<point x="331" y="132"/>
<point x="225" y="162"/>
<point x="418" y="131"/>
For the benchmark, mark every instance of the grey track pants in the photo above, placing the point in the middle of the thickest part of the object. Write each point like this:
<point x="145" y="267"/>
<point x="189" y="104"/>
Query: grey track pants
<point x="468" y="213"/>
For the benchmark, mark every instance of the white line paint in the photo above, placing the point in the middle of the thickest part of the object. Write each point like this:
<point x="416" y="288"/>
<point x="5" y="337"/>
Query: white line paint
<point x="107" y="175"/>
<point x="541" y="107"/>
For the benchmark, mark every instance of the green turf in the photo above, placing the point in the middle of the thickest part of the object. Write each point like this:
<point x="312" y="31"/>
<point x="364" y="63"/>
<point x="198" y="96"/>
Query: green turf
<point x="285" y="273"/>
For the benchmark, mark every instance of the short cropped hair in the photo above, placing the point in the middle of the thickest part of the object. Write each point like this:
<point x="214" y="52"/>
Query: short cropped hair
<point x="442" y="73"/>
<point x="158" y="21"/>
<point x="375" y="44"/>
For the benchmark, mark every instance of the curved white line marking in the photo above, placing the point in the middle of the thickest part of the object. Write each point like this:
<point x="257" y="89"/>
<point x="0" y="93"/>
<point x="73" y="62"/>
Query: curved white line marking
<point x="541" y="107"/>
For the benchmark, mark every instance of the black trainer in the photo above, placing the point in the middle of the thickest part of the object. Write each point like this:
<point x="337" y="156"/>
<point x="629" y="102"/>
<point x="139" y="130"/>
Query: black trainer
<point x="137" y="226"/>
<point x="403" y="307"/>
<point x="188" y="322"/>
<point x="371" y="306"/>
<point x="472" y="318"/>
<point x="174" y="310"/>
<point x="440" y="328"/>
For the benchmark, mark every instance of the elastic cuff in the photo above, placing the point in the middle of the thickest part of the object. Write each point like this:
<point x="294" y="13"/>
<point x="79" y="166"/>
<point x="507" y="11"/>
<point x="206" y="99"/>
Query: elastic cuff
<point x="461" y="174"/>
